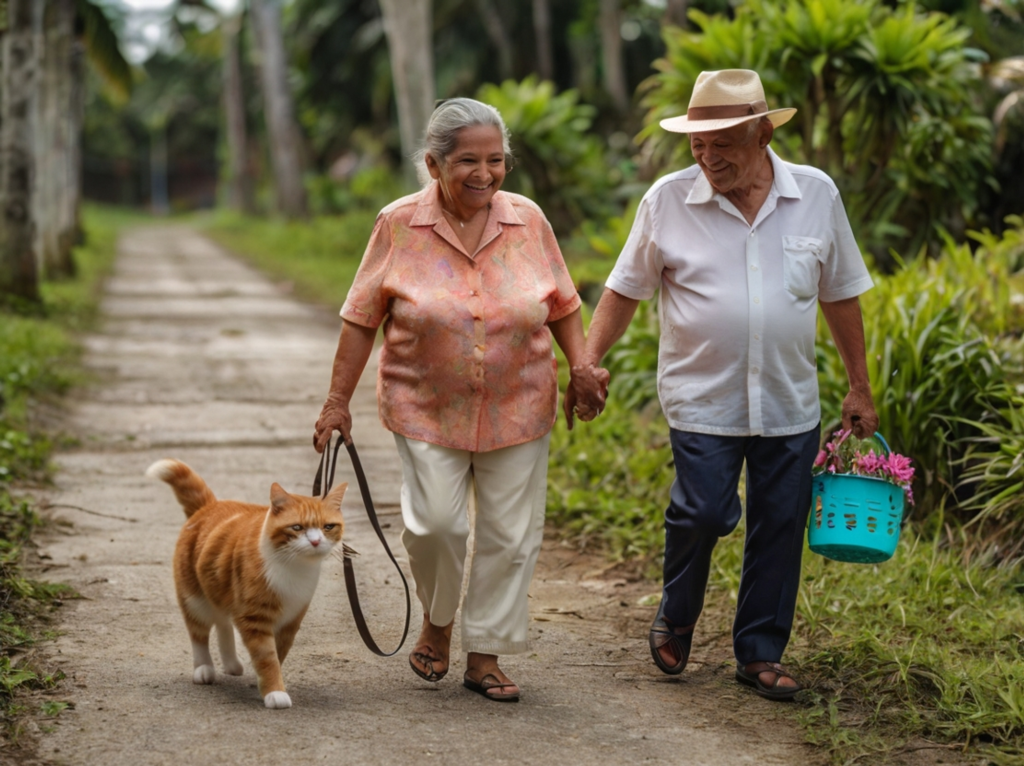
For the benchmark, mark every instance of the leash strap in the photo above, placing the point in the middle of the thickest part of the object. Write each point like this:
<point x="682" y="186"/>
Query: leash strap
<point x="328" y="461"/>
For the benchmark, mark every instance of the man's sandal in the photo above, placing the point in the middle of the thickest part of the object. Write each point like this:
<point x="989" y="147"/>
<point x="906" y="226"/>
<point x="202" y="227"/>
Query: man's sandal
<point x="678" y="640"/>
<point x="488" y="682"/>
<point x="750" y="674"/>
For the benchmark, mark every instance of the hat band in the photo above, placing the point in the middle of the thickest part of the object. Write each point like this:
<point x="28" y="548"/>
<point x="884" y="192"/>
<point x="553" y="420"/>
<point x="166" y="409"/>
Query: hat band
<point x="724" y="112"/>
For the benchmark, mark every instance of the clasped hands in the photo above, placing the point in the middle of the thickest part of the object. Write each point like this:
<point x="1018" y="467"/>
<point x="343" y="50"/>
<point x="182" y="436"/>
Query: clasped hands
<point x="586" y="394"/>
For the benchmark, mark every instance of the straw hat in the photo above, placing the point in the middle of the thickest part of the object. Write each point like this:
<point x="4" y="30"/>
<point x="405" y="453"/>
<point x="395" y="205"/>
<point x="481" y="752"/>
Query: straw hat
<point x="725" y="98"/>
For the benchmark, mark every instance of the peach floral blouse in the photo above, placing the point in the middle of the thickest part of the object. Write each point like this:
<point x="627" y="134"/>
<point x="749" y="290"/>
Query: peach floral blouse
<point x="467" y="360"/>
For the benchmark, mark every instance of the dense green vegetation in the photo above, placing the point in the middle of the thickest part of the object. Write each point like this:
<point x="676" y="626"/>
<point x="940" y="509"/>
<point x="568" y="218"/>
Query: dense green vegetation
<point x="38" y="363"/>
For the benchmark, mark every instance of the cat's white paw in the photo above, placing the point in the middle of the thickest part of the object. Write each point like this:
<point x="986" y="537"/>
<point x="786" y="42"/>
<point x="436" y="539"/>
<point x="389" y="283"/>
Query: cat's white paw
<point x="204" y="674"/>
<point x="277" y="700"/>
<point x="233" y="667"/>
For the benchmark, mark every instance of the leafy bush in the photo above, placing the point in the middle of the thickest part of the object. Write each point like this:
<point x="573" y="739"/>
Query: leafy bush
<point x="944" y="357"/>
<point x="608" y="480"/>
<point x="889" y="104"/>
<point x="561" y="165"/>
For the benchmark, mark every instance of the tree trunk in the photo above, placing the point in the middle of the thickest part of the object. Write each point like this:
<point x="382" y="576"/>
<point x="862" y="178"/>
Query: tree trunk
<point x="408" y="25"/>
<point x="610" y="20"/>
<point x="542" y="34"/>
<point x="19" y="274"/>
<point x="499" y="37"/>
<point x="239" y="180"/>
<point x="56" y="135"/>
<point x="285" y="141"/>
<point x="675" y="13"/>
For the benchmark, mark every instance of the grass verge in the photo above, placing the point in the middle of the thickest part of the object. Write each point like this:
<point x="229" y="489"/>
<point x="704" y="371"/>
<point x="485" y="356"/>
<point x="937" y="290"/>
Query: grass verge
<point x="39" y="362"/>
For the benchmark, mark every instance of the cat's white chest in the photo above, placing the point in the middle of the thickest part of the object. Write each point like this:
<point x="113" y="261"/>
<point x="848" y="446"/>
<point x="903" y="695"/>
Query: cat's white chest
<point x="294" y="583"/>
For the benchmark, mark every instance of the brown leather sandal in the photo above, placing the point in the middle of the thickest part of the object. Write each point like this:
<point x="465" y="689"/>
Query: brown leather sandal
<point x="664" y="634"/>
<point x="488" y="682"/>
<point x="750" y="674"/>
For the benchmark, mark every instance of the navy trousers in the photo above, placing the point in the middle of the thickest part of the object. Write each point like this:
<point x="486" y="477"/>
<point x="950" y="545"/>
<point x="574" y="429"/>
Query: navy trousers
<point x="705" y="506"/>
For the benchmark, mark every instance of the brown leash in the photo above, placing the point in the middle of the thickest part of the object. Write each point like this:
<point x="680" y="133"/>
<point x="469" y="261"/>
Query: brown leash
<point x="328" y="461"/>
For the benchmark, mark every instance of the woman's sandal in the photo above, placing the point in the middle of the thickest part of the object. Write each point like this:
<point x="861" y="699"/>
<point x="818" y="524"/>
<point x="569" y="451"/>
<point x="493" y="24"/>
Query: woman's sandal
<point x="428" y="662"/>
<point x="488" y="682"/>
<point x="750" y="674"/>
<point x="663" y="634"/>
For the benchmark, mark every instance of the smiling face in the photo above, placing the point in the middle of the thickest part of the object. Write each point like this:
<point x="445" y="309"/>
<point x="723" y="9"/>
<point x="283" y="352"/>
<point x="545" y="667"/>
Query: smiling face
<point x="473" y="171"/>
<point x="732" y="158"/>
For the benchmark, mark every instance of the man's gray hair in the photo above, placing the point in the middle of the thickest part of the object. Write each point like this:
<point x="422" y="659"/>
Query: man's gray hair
<point x="442" y="134"/>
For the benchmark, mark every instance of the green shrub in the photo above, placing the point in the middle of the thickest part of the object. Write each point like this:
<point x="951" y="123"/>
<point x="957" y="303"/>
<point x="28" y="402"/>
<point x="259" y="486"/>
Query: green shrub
<point x="944" y="356"/>
<point x="890" y="104"/>
<point x="561" y="165"/>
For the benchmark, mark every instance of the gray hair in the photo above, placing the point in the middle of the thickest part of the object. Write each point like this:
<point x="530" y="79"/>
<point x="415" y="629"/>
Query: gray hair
<point x="442" y="134"/>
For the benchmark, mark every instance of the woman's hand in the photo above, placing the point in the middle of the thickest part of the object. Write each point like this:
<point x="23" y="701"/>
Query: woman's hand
<point x="588" y="389"/>
<point x="334" y="416"/>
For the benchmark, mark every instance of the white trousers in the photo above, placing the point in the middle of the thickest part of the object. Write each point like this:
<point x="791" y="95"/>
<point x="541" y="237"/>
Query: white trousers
<point x="510" y="487"/>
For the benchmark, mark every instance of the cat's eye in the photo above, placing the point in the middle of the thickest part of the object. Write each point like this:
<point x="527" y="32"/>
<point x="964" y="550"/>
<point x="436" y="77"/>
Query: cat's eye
<point x="329" y="526"/>
<point x="297" y="527"/>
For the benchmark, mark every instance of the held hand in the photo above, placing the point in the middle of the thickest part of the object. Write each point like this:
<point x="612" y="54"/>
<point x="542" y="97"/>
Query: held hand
<point x="859" y="414"/>
<point x="334" y="416"/>
<point x="588" y="390"/>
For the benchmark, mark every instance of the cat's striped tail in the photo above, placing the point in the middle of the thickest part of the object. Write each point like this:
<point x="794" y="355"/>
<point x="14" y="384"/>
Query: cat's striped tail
<point x="190" y="490"/>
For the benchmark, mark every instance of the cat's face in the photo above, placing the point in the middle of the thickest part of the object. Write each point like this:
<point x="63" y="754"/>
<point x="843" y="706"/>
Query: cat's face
<point x="304" y="526"/>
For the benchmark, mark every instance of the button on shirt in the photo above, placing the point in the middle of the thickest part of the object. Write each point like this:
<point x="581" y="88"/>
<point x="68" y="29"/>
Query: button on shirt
<point x="738" y="302"/>
<point x="467" y="360"/>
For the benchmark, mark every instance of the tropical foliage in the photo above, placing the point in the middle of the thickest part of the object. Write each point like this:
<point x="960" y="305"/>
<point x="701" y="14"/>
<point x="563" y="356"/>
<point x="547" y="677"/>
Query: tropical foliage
<point x="881" y="93"/>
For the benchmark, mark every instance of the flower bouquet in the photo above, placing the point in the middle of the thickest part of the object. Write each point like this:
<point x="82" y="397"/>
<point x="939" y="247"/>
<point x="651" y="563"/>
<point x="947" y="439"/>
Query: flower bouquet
<point x="858" y="496"/>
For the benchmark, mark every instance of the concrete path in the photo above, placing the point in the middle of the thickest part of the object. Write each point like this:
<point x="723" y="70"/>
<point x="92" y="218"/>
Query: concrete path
<point x="203" y="359"/>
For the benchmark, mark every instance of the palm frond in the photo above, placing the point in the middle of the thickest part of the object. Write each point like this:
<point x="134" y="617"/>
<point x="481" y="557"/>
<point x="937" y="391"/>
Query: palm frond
<point x="102" y="49"/>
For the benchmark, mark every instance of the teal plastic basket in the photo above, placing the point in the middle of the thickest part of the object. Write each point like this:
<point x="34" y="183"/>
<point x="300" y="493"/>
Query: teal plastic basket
<point x="855" y="518"/>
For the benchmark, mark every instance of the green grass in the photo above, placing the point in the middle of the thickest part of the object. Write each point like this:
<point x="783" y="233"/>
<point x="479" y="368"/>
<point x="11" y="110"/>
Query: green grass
<point x="39" y="362"/>
<point x="319" y="257"/>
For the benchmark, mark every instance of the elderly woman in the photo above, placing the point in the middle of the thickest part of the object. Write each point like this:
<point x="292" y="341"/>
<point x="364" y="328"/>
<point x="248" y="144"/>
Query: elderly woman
<point x="470" y="286"/>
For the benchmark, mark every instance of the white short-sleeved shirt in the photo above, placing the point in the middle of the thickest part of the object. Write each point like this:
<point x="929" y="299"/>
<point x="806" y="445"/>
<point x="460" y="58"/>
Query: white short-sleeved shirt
<point x="738" y="303"/>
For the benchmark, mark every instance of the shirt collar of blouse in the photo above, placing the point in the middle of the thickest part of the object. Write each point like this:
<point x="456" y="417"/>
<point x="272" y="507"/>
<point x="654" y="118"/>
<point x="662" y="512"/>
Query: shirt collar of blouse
<point x="785" y="184"/>
<point x="429" y="211"/>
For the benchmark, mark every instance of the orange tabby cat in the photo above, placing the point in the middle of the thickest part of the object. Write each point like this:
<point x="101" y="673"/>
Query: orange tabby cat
<point x="255" y="566"/>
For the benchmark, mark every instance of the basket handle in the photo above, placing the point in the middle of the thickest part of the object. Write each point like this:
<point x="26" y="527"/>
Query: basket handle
<point x="881" y="440"/>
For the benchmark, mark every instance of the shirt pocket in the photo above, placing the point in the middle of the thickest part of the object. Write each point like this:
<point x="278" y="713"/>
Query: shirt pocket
<point x="801" y="265"/>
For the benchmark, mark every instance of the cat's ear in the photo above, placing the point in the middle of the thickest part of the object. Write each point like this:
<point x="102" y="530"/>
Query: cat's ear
<point x="279" y="499"/>
<point x="333" y="499"/>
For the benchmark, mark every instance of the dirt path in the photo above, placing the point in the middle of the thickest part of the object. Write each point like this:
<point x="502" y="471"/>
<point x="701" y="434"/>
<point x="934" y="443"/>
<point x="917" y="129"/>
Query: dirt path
<point x="202" y="359"/>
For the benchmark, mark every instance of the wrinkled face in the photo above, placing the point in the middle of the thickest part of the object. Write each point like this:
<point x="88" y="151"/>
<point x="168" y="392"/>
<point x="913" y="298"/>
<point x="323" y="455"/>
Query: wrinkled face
<point x="475" y="168"/>
<point x="731" y="158"/>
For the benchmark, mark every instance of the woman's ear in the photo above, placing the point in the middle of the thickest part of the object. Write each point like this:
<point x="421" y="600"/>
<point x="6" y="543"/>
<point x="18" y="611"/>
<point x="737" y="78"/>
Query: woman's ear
<point x="432" y="167"/>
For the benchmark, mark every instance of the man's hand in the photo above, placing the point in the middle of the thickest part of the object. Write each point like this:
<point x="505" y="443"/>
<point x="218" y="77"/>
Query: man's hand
<point x="859" y="414"/>
<point x="334" y="416"/>
<point x="588" y="389"/>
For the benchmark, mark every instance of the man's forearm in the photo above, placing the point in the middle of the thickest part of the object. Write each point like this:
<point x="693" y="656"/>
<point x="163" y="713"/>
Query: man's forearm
<point x="847" y="326"/>
<point x="612" y="316"/>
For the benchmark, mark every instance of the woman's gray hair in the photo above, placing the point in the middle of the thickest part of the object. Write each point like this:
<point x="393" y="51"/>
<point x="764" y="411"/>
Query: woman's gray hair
<point x="442" y="134"/>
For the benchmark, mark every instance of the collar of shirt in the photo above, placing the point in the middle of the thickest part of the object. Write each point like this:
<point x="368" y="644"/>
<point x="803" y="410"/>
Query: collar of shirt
<point x="430" y="213"/>
<point x="784" y="185"/>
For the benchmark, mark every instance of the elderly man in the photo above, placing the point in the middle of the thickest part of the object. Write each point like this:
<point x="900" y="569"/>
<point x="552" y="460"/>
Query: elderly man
<point x="744" y="247"/>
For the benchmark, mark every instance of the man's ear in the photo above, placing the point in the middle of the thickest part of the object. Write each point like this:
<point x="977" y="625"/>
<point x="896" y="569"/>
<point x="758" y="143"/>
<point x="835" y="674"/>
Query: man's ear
<point x="764" y="135"/>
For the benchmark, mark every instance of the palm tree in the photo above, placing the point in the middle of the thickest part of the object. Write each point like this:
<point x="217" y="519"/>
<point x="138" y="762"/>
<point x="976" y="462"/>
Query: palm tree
<point x="408" y="26"/>
<point x="285" y="140"/>
<point x="19" y="31"/>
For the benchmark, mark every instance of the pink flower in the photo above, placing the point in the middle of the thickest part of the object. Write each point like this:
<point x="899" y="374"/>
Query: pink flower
<point x="820" y="460"/>
<point x="899" y="468"/>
